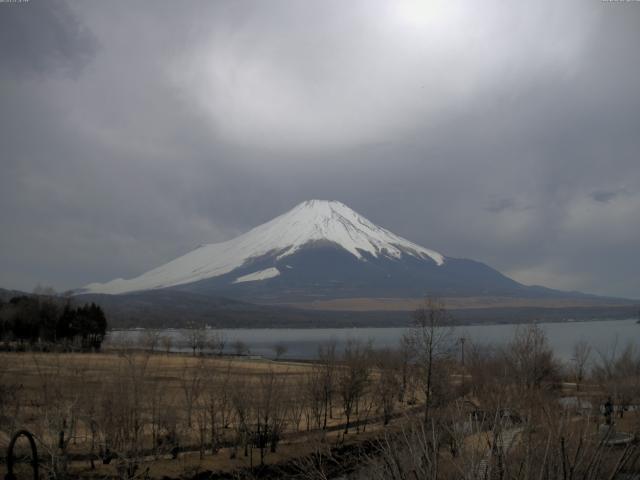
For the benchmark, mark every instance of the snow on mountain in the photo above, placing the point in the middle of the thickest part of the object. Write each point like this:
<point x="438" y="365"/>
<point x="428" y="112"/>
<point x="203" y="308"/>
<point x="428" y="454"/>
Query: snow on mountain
<point x="260" y="275"/>
<point x="309" y="222"/>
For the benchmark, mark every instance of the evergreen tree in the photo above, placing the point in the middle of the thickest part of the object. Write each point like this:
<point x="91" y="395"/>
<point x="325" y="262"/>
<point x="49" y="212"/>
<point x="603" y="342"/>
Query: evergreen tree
<point x="43" y="319"/>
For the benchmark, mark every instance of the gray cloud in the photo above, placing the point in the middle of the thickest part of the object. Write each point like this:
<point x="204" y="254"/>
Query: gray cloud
<point x="43" y="36"/>
<point x="493" y="132"/>
<point x="499" y="205"/>
<point x="606" y="196"/>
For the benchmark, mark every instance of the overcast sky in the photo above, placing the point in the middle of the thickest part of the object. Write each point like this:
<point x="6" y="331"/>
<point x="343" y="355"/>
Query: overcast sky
<point x="506" y="132"/>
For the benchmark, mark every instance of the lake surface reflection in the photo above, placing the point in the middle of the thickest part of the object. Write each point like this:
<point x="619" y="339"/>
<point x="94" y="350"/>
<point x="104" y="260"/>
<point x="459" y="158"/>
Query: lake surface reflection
<point x="301" y="343"/>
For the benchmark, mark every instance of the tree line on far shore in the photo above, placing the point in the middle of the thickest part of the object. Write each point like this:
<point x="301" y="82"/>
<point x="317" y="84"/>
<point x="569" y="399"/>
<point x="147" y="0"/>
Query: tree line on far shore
<point x="42" y="321"/>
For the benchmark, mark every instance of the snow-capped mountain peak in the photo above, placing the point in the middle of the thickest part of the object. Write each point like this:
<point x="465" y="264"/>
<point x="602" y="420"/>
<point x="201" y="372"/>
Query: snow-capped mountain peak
<point x="323" y="220"/>
<point x="309" y="222"/>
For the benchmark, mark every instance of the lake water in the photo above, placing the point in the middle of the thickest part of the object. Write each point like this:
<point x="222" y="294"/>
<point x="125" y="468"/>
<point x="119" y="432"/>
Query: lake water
<point x="300" y="343"/>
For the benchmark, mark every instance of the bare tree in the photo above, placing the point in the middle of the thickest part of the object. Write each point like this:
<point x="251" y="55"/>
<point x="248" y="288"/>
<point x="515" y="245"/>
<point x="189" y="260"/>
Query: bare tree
<point x="191" y="384"/>
<point x="530" y="358"/>
<point x="120" y="416"/>
<point x="279" y="349"/>
<point x="430" y="340"/>
<point x="488" y="371"/>
<point x="269" y="412"/>
<point x="404" y="356"/>
<point x="58" y="409"/>
<point x="195" y="338"/>
<point x="619" y="375"/>
<point x="240" y="347"/>
<point x="579" y="360"/>
<point x="11" y="400"/>
<point x="297" y="403"/>
<point x="242" y="406"/>
<point x="215" y="342"/>
<point x="155" y="404"/>
<point x="563" y="448"/>
<point x="167" y="343"/>
<point x="387" y="383"/>
<point x="353" y="377"/>
<point x="315" y="394"/>
<point x="217" y="400"/>
<point x="203" y="422"/>
<point x="150" y="340"/>
<point x="327" y="362"/>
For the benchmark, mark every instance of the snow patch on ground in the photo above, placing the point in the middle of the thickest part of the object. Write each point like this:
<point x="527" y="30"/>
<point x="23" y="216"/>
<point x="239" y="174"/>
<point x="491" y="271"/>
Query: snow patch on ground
<point x="261" y="275"/>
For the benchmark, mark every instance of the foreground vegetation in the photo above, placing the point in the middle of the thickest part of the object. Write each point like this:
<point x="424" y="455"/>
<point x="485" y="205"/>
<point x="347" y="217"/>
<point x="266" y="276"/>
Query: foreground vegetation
<point x="433" y="408"/>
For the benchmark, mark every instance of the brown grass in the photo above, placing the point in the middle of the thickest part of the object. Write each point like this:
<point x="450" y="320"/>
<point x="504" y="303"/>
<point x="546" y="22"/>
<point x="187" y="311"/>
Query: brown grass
<point x="79" y="375"/>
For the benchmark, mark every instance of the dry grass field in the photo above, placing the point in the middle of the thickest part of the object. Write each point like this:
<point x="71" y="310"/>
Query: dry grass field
<point x="135" y="414"/>
<point x="175" y="414"/>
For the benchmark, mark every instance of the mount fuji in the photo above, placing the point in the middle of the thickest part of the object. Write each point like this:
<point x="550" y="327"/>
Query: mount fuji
<point x="320" y="250"/>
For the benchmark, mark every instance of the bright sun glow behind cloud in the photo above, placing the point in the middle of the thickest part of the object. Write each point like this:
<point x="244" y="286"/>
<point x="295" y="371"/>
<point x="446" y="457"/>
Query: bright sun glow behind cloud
<point x="422" y="13"/>
<point x="249" y="89"/>
<point x="400" y="64"/>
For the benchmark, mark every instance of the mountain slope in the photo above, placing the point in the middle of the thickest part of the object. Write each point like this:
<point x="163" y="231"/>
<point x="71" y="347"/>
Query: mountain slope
<point x="311" y="222"/>
<point x="321" y="250"/>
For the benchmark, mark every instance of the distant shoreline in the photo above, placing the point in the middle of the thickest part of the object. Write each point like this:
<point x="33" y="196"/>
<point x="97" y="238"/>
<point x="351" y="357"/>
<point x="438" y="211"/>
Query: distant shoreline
<point x="406" y="322"/>
<point x="350" y="327"/>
